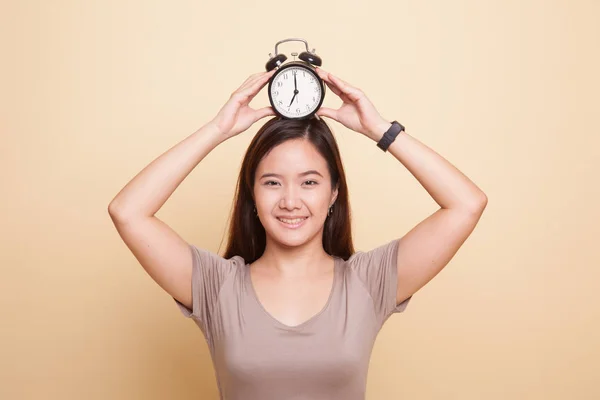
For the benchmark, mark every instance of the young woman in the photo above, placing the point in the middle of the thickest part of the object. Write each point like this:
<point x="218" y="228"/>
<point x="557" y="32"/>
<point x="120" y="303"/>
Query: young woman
<point x="291" y="311"/>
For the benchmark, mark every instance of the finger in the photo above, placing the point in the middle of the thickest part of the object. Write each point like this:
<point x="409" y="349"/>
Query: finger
<point x="248" y="82"/>
<point x="335" y="84"/>
<point x="327" y="76"/>
<point x="248" y="79"/>
<point x="333" y="88"/>
<point x="338" y="82"/>
<point x="346" y="88"/>
<point x="258" y="83"/>
<point x="263" y="112"/>
<point x="249" y="90"/>
<point x="259" y="77"/>
<point x="337" y="91"/>
<point x="327" y="112"/>
<point x="323" y="74"/>
<point x="348" y="91"/>
<point x="343" y="86"/>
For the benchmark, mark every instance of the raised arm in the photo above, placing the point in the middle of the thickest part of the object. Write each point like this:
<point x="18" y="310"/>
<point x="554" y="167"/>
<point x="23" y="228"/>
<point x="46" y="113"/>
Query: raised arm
<point x="159" y="249"/>
<point x="428" y="247"/>
<point x="164" y="255"/>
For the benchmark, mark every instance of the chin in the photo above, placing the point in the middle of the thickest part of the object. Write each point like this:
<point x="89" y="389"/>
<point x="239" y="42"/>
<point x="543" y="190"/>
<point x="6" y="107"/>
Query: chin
<point x="292" y="235"/>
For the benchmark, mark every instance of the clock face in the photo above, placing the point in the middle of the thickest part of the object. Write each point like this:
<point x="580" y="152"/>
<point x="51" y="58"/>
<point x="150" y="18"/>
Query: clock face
<point x="296" y="92"/>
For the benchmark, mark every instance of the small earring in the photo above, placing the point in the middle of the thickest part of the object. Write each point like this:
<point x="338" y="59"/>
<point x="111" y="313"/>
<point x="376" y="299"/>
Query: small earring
<point x="255" y="210"/>
<point x="330" y="210"/>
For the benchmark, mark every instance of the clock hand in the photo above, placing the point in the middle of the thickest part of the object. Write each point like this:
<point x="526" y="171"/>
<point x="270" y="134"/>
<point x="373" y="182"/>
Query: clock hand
<point x="295" y="89"/>
<point x="295" y="83"/>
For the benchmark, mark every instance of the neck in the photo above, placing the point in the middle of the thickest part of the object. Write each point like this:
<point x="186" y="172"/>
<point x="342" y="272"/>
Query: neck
<point x="305" y="261"/>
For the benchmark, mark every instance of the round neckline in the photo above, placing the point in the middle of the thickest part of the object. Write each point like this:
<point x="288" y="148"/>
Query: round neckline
<point x="253" y="294"/>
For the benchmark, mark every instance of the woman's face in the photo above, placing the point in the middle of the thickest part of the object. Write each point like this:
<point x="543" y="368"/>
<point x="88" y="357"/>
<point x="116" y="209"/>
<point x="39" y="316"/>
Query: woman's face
<point x="292" y="191"/>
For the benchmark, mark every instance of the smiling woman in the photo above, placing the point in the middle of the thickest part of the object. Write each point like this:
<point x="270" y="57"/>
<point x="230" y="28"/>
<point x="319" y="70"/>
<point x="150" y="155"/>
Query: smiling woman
<point x="290" y="309"/>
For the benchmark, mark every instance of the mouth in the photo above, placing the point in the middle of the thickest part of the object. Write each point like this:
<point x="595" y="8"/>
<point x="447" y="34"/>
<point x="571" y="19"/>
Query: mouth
<point x="292" y="223"/>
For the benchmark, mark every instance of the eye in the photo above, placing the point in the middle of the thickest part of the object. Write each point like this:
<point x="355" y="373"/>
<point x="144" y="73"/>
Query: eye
<point x="273" y="183"/>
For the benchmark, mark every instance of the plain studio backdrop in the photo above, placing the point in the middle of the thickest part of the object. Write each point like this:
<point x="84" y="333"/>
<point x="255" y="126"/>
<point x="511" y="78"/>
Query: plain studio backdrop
<point x="93" y="91"/>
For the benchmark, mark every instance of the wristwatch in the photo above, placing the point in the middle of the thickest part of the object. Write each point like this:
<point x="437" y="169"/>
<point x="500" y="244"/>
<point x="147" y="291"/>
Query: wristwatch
<point x="390" y="135"/>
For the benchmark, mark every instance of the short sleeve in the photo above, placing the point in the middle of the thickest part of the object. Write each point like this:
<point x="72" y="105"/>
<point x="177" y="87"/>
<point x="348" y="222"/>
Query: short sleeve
<point x="378" y="271"/>
<point x="209" y="271"/>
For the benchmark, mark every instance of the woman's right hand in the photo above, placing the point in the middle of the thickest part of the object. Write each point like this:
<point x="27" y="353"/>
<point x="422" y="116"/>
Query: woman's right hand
<point x="236" y="115"/>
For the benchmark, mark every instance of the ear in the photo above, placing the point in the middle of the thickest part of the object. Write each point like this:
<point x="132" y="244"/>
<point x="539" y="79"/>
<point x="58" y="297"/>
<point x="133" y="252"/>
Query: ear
<point x="334" y="195"/>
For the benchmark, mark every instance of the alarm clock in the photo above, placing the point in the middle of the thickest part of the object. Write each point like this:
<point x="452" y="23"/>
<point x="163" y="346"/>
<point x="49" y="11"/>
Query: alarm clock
<point x="295" y="90"/>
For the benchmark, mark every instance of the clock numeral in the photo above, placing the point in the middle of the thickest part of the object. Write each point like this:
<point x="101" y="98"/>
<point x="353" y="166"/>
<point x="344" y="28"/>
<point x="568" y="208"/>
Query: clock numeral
<point x="285" y="76"/>
<point x="276" y="93"/>
<point x="279" y="84"/>
<point x="314" y="99"/>
<point x="298" y="110"/>
<point x="316" y="89"/>
<point x="280" y="102"/>
<point x="307" y="107"/>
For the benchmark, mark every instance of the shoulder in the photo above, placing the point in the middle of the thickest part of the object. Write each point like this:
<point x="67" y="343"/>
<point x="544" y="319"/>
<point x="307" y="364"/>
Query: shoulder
<point x="208" y="261"/>
<point x="382" y="253"/>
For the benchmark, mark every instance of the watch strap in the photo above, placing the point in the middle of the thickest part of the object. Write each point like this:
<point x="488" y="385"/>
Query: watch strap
<point x="390" y="135"/>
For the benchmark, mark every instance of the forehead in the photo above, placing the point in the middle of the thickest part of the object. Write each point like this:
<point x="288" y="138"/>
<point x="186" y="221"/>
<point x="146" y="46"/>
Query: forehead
<point x="293" y="156"/>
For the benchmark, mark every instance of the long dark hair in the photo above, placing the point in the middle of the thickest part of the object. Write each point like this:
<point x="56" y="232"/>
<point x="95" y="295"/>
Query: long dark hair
<point x="247" y="237"/>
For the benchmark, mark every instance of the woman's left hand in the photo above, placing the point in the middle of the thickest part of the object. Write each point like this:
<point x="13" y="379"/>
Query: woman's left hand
<point x="357" y="112"/>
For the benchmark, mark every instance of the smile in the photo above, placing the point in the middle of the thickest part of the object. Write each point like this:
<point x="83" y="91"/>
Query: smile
<point x="292" y="223"/>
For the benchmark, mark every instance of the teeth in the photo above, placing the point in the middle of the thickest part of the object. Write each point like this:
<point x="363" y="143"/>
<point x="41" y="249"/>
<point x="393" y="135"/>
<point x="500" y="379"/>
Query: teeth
<point x="291" y="221"/>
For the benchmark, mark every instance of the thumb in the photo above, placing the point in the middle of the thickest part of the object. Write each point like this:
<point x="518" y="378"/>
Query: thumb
<point x="327" y="112"/>
<point x="263" y="112"/>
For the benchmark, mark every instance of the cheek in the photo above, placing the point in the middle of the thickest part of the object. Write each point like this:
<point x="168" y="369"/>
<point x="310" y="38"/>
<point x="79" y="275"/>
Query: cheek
<point x="320" y="202"/>
<point x="317" y="203"/>
<point x="267" y="197"/>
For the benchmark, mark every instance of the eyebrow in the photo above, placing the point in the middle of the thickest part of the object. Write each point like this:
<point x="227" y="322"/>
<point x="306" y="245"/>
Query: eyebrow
<point x="309" y="172"/>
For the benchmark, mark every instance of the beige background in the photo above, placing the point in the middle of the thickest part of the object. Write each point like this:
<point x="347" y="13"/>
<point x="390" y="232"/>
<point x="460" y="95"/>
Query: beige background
<point x="507" y="91"/>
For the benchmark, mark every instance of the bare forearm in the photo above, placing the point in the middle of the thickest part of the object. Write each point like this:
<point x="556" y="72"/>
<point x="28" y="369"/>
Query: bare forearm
<point x="447" y="185"/>
<point x="146" y="193"/>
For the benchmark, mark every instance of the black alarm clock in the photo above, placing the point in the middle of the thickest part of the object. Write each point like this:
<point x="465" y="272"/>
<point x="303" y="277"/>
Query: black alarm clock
<point x="295" y="90"/>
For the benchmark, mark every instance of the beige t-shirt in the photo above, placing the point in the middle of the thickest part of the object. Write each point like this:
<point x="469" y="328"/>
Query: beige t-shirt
<point x="256" y="357"/>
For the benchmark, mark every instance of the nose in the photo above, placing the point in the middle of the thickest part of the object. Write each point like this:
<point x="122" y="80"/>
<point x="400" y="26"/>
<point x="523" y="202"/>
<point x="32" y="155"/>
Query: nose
<point x="290" y="199"/>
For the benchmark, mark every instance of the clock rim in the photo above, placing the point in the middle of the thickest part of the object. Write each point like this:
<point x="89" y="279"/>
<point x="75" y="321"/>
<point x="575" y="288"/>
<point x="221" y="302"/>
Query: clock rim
<point x="311" y="69"/>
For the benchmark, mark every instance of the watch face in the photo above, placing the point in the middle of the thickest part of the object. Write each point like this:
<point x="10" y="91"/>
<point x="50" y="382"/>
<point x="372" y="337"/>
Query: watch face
<point x="296" y="92"/>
